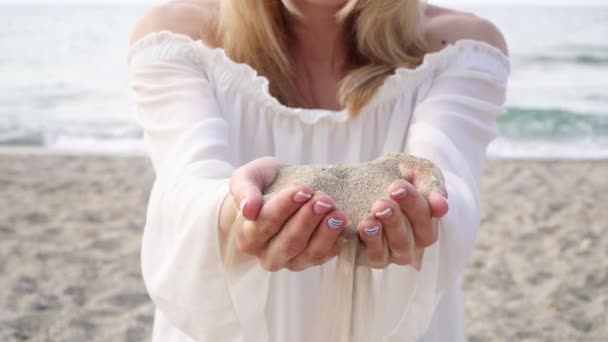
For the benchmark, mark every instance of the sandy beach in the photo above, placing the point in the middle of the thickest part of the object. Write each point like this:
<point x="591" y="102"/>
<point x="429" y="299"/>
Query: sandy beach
<point x="70" y="231"/>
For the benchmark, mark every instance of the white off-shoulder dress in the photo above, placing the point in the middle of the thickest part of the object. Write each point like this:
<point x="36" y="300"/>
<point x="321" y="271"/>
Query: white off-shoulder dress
<point x="204" y="115"/>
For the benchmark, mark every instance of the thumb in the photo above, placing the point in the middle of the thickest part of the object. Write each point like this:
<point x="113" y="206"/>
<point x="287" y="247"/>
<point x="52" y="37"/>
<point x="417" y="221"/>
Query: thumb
<point x="248" y="183"/>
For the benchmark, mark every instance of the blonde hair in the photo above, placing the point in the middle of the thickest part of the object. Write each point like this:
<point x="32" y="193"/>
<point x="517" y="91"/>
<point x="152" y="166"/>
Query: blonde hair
<point x="385" y="35"/>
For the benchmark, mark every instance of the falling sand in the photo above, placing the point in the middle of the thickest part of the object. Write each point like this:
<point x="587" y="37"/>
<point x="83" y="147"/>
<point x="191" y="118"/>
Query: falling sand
<point x="354" y="188"/>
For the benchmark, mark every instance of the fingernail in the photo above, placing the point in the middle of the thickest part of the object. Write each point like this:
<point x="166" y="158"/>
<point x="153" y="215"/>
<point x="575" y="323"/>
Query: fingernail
<point x="243" y="204"/>
<point x="335" y="223"/>
<point x="321" y="207"/>
<point x="372" y="231"/>
<point x="386" y="213"/>
<point x="301" y="197"/>
<point x="401" y="193"/>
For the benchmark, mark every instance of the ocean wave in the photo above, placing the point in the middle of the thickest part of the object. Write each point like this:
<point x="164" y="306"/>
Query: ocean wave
<point x="523" y="133"/>
<point x="578" y="59"/>
<point x="22" y="133"/>
<point x="557" y="124"/>
<point x="22" y="138"/>
<point x="587" y="48"/>
<point x="129" y="141"/>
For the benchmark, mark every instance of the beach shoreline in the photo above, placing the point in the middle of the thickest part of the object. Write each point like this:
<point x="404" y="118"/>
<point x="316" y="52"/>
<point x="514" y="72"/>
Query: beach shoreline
<point x="599" y="157"/>
<point x="71" y="228"/>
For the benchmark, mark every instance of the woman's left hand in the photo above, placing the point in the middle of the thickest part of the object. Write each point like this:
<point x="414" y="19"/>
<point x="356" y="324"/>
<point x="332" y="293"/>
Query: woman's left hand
<point x="399" y="228"/>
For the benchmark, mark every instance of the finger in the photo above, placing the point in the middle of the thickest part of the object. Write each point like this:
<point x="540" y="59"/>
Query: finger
<point x="426" y="177"/>
<point x="295" y="234"/>
<point x="431" y="181"/>
<point x="370" y="233"/>
<point x="323" y="240"/>
<point x="439" y="178"/>
<point x="273" y="215"/>
<point x="397" y="231"/>
<point x="298" y="264"/>
<point x="417" y="210"/>
<point x="439" y="205"/>
<point x="248" y="182"/>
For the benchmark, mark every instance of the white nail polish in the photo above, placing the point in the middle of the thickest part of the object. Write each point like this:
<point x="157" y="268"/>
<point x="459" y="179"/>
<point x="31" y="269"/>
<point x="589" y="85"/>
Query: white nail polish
<point x="386" y="213"/>
<point x="399" y="193"/>
<point x="301" y="197"/>
<point x="322" y="207"/>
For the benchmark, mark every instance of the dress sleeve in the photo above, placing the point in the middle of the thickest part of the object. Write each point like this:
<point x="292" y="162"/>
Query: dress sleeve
<point x="188" y="142"/>
<point x="452" y="126"/>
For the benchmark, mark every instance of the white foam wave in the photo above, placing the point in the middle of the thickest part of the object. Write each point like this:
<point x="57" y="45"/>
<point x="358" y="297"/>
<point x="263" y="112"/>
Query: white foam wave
<point x="91" y="145"/>
<point x="503" y="148"/>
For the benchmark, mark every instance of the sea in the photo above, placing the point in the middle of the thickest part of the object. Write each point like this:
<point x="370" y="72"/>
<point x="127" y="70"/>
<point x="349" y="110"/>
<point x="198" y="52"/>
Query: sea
<point x="64" y="80"/>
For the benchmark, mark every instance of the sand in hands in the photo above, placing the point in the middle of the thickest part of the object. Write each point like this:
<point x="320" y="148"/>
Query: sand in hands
<point x="354" y="188"/>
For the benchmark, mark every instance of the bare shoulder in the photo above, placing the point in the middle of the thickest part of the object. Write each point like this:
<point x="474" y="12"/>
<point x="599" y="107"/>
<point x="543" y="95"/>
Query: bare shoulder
<point x="445" y="26"/>
<point x="194" y="18"/>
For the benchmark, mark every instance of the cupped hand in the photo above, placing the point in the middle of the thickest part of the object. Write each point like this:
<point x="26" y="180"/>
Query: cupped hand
<point x="401" y="226"/>
<point x="295" y="229"/>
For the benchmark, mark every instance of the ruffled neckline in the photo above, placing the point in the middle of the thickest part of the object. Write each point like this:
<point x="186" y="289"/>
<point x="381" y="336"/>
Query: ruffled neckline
<point x="246" y="79"/>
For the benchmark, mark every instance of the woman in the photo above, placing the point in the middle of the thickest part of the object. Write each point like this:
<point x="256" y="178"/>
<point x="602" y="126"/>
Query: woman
<point x="228" y="89"/>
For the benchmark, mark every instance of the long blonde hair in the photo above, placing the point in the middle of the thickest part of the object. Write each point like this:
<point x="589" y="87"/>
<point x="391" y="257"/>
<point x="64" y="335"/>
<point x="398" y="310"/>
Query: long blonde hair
<point x="385" y="36"/>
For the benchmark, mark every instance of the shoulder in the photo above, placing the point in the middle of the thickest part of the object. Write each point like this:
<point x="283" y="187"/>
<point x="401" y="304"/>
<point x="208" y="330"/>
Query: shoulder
<point x="444" y="26"/>
<point x="194" y="18"/>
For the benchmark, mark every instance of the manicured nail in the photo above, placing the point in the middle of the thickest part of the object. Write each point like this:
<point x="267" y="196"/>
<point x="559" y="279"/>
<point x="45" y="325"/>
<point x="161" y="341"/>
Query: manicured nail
<point x="243" y="204"/>
<point x="302" y="197"/>
<point x="384" y="214"/>
<point x="400" y="194"/>
<point x="322" y="208"/>
<point x="372" y="231"/>
<point x="335" y="223"/>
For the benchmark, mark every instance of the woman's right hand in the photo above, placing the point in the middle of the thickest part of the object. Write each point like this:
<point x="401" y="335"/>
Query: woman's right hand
<point x="296" y="229"/>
